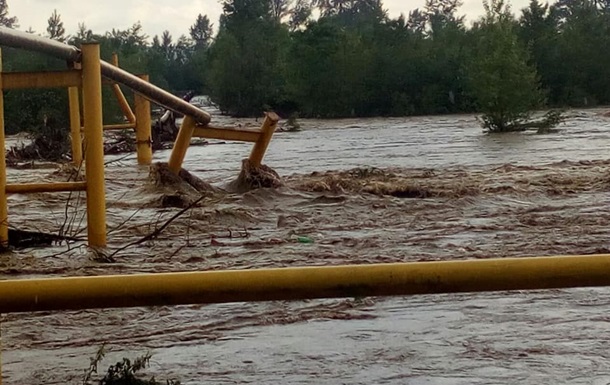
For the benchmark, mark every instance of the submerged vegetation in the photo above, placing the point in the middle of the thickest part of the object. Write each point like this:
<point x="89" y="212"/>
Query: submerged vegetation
<point x="503" y="83"/>
<point x="125" y="372"/>
<point x="349" y="58"/>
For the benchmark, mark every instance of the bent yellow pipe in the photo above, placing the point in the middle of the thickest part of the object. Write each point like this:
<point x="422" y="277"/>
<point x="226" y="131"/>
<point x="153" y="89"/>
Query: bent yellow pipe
<point x="304" y="282"/>
<point x="181" y="144"/>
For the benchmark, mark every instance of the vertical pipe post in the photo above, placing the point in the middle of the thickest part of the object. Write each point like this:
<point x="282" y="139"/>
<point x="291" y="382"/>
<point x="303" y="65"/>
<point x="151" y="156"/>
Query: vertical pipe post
<point x="267" y="130"/>
<point x="75" y="132"/>
<point x="94" y="145"/>
<point x="143" y="128"/>
<point x="182" y="144"/>
<point x="3" y="202"/>
<point x="0" y="352"/>
<point x="123" y="104"/>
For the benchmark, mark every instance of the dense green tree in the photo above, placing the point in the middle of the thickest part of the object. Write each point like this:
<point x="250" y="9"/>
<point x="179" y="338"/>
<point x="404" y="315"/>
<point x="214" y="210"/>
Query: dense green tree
<point x="55" y="28"/>
<point x="83" y="34"/>
<point x="246" y="60"/>
<point x="538" y="30"/>
<point x="167" y="46"/>
<point x="201" y="32"/>
<point x="5" y="20"/>
<point x="584" y="45"/>
<point x="504" y="85"/>
<point x="337" y="58"/>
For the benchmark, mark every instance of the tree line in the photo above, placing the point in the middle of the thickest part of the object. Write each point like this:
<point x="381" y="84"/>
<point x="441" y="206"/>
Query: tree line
<point x="343" y="58"/>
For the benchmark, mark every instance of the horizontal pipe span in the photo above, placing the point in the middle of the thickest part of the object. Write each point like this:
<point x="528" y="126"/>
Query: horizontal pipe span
<point x="154" y="93"/>
<point x="229" y="133"/>
<point x="113" y="127"/>
<point x="303" y="282"/>
<point x="25" y="188"/>
<point x="49" y="79"/>
<point x="125" y="126"/>
<point x="24" y="40"/>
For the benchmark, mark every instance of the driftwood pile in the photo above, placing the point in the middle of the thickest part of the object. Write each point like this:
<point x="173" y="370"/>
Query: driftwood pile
<point x="254" y="177"/>
<point x="51" y="142"/>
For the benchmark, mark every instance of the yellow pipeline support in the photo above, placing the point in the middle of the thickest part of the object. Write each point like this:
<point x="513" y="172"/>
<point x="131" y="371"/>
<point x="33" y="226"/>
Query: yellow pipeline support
<point x="49" y="79"/>
<point x="182" y="144"/>
<point x="267" y="130"/>
<point x="123" y="104"/>
<point x="3" y="202"/>
<point x="75" y="293"/>
<point x="30" y="188"/>
<point x="227" y="133"/>
<point x="76" y="140"/>
<point x="94" y="145"/>
<point x="129" y="115"/>
<point x="117" y="127"/>
<point x="143" y="128"/>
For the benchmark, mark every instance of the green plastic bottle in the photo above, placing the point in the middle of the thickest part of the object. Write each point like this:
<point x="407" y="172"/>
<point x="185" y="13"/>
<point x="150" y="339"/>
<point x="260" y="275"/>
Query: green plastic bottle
<point x="304" y="240"/>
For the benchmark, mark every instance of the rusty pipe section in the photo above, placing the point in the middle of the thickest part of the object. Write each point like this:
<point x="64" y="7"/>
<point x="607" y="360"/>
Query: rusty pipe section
<point x="27" y="41"/>
<point x="154" y="93"/>
<point x="74" y="293"/>
<point x="17" y="39"/>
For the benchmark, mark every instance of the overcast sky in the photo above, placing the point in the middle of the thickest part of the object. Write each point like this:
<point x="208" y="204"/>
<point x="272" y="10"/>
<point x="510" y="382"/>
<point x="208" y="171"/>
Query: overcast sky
<point x="159" y="15"/>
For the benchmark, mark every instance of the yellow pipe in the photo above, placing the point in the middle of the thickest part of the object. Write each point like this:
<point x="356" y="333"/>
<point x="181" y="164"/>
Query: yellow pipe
<point x="115" y="127"/>
<point x="227" y="133"/>
<point x="76" y="140"/>
<point x="126" y="126"/>
<point x="123" y="104"/>
<point x="48" y="79"/>
<point x="182" y="143"/>
<point x="143" y="128"/>
<point x="75" y="293"/>
<point x="267" y="130"/>
<point x="3" y="202"/>
<point x="94" y="145"/>
<point x="25" y="188"/>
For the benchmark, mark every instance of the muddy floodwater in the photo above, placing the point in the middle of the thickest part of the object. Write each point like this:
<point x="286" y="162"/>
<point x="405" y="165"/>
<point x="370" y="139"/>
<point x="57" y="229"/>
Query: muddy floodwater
<point x="365" y="191"/>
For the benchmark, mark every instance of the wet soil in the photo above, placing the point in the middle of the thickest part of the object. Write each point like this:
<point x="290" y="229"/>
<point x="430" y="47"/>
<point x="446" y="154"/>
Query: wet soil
<point x="365" y="191"/>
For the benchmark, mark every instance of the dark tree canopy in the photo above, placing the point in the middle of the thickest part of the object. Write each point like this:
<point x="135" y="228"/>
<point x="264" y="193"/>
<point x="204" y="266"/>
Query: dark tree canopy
<point x="342" y="58"/>
<point x="55" y="29"/>
<point x="201" y="32"/>
<point x="5" y="20"/>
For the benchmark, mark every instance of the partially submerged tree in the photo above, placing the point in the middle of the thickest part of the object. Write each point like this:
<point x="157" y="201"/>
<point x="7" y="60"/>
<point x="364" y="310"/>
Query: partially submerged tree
<point x="504" y="85"/>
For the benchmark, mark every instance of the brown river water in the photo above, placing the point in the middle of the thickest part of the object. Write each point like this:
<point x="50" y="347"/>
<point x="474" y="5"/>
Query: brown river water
<point x="365" y="191"/>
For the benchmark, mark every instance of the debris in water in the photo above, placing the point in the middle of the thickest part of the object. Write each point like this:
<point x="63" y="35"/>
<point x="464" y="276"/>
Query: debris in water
<point x="50" y="142"/>
<point x="254" y="177"/>
<point x="304" y="240"/>
<point x="22" y="239"/>
<point x="183" y="189"/>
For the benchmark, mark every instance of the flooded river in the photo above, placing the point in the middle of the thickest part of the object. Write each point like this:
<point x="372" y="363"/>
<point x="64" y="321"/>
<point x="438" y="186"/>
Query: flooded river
<point x="365" y="191"/>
